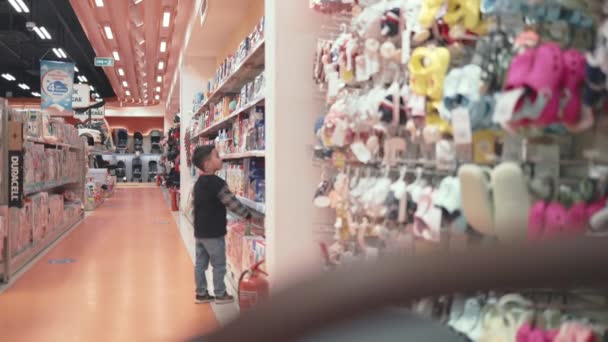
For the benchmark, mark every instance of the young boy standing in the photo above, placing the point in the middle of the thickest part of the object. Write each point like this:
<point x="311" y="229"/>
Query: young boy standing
<point x="211" y="198"/>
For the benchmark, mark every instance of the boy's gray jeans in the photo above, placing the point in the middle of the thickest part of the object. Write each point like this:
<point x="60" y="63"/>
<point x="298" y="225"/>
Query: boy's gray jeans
<point x="210" y="251"/>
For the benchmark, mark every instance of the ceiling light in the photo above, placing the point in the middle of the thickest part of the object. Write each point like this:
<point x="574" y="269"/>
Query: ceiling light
<point x="163" y="46"/>
<point x="128" y="93"/>
<point x="45" y="32"/>
<point x="158" y="89"/>
<point x="84" y="78"/>
<point x="23" y="6"/>
<point x="24" y="86"/>
<point x="92" y="88"/>
<point x="145" y="84"/>
<point x="116" y="55"/>
<point x="62" y="53"/>
<point x="137" y="1"/>
<point x="161" y="65"/>
<point x="159" y="79"/>
<point x="15" y="6"/>
<point x="166" y="18"/>
<point x="157" y="97"/>
<point x="8" y="77"/>
<point x="39" y="33"/>
<point x="108" y="31"/>
<point x="56" y="52"/>
<point x="97" y="95"/>
<point x="99" y="3"/>
<point x="35" y="93"/>
<point x="76" y="69"/>
<point x="141" y="42"/>
<point x="125" y="84"/>
<point x="121" y="71"/>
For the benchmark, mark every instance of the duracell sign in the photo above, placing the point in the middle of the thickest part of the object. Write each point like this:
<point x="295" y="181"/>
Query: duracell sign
<point x="15" y="184"/>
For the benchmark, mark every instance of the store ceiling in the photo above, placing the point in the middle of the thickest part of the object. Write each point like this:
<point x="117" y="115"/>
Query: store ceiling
<point x="146" y="35"/>
<point x="21" y="49"/>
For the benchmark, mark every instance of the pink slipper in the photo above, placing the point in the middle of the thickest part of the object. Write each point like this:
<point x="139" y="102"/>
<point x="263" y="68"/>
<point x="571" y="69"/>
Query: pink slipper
<point x="555" y="219"/>
<point x="520" y="67"/>
<point x="545" y="82"/>
<point x="577" y="218"/>
<point x="536" y="221"/>
<point x="574" y="76"/>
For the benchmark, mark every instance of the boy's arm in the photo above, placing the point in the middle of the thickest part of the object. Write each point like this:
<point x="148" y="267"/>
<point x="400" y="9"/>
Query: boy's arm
<point x="232" y="203"/>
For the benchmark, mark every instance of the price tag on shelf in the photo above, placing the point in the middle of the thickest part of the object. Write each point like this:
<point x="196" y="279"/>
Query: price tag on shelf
<point x="461" y="124"/>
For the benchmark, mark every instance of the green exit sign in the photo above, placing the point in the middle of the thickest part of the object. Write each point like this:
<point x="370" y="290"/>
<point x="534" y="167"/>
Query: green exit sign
<point x="104" y="61"/>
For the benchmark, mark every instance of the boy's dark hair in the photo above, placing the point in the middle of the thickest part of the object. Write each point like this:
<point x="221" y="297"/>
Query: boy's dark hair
<point x="201" y="155"/>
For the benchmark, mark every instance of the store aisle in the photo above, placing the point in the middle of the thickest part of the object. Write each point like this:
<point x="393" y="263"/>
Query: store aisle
<point x="131" y="279"/>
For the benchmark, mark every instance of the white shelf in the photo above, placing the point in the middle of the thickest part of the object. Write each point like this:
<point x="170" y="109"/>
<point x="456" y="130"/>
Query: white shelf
<point x="47" y="186"/>
<point x="257" y="206"/>
<point x="247" y="70"/>
<point x="243" y="155"/>
<point x="44" y="142"/>
<point x="224" y="122"/>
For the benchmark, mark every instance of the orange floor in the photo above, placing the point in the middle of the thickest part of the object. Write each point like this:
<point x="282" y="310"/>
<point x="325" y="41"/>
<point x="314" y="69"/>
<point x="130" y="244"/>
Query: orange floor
<point x="132" y="280"/>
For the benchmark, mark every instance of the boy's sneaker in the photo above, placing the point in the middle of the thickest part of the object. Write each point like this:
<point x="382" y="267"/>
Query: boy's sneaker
<point x="224" y="299"/>
<point x="206" y="298"/>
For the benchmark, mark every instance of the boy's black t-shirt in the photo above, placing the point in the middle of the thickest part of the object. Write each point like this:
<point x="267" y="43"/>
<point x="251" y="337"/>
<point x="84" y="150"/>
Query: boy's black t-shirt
<point x="209" y="211"/>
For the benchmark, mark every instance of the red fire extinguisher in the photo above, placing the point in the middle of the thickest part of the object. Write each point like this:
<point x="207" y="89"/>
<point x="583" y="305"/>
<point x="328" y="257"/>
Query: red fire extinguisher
<point x="253" y="288"/>
<point x="174" y="199"/>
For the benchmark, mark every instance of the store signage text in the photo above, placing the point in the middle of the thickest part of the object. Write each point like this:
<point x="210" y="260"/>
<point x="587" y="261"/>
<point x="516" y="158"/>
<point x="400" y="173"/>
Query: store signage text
<point x="15" y="188"/>
<point x="82" y="96"/>
<point x="104" y="61"/>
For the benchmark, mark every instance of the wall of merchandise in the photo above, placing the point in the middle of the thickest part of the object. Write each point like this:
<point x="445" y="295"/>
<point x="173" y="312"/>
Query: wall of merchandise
<point x="454" y="123"/>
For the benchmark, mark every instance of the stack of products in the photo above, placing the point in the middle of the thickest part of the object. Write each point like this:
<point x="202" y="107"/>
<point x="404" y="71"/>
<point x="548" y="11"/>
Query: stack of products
<point x="42" y="214"/>
<point x="48" y="164"/>
<point x="502" y="98"/>
<point x="234" y="245"/>
<point x="52" y="130"/>
<point x="251" y="91"/>
<point x="253" y="251"/>
<point x="232" y="62"/>
<point x="246" y="134"/>
<point x="94" y="195"/>
<point x="234" y="175"/>
<point x="256" y="187"/>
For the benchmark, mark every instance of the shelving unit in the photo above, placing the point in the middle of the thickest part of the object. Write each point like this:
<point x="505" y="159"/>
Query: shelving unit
<point x="223" y="123"/>
<point x="13" y="192"/>
<point x="257" y="206"/>
<point x="46" y="143"/>
<point x="243" y="155"/>
<point x="249" y="67"/>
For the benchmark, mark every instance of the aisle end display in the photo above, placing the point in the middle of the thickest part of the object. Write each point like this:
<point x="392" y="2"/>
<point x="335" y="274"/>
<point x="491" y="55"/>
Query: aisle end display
<point x="42" y="193"/>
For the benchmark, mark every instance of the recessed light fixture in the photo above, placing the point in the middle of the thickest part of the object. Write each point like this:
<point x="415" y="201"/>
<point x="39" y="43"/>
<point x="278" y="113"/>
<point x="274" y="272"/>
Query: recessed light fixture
<point x="158" y="89"/>
<point x="19" y="6"/>
<point x="161" y="65"/>
<point x="137" y="1"/>
<point x="15" y="6"/>
<point x="97" y="95"/>
<point x="159" y="78"/>
<point x="128" y="93"/>
<point x="157" y="97"/>
<point x="121" y="71"/>
<point x="35" y="93"/>
<point x="99" y="3"/>
<point x="39" y="32"/>
<point x="92" y="88"/>
<point x="56" y="52"/>
<point x="45" y="32"/>
<point x="108" y="30"/>
<point x="63" y="55"/>
<point x="76" y="69"/>
<point x="116" y="55"/>
<point x="125" y="84"/>
<point x="163" y="46"/>
<point x="8" y="77"/>
<point x="166" y="18"/>
<point x="83" y="79"/>
<point x="24" y="86"/>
